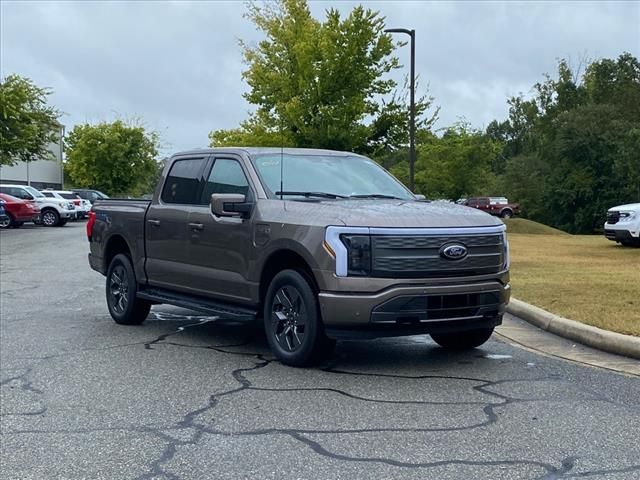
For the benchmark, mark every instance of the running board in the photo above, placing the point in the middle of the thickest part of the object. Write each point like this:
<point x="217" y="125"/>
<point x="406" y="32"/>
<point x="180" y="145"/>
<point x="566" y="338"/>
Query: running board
<point x="200" y="304"/>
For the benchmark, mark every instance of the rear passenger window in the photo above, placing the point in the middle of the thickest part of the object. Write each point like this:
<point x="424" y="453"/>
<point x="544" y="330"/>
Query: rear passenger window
<point x="226" y="177"/>
<point x="181" y="185"/>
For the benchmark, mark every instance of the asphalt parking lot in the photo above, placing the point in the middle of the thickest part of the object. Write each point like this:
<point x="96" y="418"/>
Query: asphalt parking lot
<point x="186" y="396"/>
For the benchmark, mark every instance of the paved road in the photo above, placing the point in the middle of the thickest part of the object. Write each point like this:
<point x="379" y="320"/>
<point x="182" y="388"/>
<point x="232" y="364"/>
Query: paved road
<point x="184" y="396"/>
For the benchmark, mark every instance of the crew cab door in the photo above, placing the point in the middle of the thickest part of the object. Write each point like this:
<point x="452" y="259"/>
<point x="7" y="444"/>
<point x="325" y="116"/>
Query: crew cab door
<point x="221" y="247"/>
<point x="166" y="229"/>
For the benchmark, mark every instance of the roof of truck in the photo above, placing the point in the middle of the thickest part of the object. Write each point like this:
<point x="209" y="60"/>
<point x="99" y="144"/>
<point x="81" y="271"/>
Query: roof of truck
<point x="266" y="150"/>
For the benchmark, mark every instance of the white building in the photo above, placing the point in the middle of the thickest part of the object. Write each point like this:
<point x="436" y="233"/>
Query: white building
<point x="40" y="173"/>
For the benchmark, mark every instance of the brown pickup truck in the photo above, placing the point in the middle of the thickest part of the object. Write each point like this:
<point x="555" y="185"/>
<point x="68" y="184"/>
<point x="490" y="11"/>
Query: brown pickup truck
<point x="498" y="206"/>
<point x="317" y="244"/>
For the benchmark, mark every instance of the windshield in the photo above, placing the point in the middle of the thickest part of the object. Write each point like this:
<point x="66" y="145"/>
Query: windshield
<point x="34" y="192"/>
<point x="337" y="175"/>
<point x="68" y="196"/>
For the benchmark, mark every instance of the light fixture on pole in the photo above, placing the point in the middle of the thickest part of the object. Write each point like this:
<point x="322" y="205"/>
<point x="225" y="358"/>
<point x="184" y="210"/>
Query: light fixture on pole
<point x="412" y="106"/>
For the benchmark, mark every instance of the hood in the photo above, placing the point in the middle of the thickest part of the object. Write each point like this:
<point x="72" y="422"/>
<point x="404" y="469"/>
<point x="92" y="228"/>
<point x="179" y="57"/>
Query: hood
<point x="629" y="206"/>
<point x="396" y="213"/>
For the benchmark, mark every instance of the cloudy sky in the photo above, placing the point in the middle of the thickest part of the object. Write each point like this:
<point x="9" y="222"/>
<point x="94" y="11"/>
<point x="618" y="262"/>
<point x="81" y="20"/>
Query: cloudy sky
<point x="177" y="64"/>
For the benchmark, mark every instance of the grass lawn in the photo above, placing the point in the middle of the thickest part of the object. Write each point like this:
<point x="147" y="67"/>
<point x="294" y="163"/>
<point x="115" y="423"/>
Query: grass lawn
<point x="582" y="277"/>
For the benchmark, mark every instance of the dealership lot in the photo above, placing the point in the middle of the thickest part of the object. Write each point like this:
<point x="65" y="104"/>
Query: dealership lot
<point x="187" y="396"/>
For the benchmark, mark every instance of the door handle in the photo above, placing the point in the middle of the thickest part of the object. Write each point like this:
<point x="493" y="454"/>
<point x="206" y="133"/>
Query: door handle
<point x="196" y="226"/>
<point x="154" y="222"/>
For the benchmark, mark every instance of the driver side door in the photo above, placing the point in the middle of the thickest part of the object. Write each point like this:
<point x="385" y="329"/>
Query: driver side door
<point x="221" y="247"/>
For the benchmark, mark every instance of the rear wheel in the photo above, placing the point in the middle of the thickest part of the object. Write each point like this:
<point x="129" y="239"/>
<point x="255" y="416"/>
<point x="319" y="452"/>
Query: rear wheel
<point x="292" y="321"/>
<point x="5" y="222"/>
<point x="121" y="289"/>
<point x="50" y="218"/>
<point x="506" y="213"/>
<point x="465" y="340"/>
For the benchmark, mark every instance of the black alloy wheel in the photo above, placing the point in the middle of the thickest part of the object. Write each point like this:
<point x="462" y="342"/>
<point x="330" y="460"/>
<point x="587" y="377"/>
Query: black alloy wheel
<point x="118" y="289"/>
<point x="292" y="320"/>
<point x="289" y="318"/>
<point x="121" y="292"/>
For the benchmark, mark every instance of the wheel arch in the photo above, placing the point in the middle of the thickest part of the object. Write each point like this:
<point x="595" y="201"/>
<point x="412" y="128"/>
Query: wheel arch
<point x="115" y="244"/>
<point x="284" y="259"/>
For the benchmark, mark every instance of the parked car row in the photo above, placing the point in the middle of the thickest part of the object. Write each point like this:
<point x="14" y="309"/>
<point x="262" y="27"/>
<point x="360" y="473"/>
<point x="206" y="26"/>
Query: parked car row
<point x="23" y="203"/>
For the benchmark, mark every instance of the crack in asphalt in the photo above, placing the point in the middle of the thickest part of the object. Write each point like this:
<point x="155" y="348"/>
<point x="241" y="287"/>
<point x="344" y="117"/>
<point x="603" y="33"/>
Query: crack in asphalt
<point x="300" y="435"/>
<point x="27" y="386"/>
<point x="189" y="421"/>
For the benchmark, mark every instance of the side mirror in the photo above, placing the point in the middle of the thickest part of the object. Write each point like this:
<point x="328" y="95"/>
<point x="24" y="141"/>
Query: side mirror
<point x="419" y="196"/>
<point x="26" y="196"/>
<point x="230" y="205"/>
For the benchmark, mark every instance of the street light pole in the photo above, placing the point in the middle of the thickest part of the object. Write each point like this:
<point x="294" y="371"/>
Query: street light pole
<point x="412" y="105"/>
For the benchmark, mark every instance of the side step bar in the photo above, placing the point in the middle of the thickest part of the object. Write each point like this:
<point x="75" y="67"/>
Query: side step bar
<point x="200" y="304"/>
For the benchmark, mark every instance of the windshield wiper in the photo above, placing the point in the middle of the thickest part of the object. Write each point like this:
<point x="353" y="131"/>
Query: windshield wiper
<point x="375" y="195"/>
<point x="311" y="194"/>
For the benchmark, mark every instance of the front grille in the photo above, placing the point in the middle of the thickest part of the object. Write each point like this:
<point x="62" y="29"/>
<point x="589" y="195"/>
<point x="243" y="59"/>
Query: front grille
<point x="613" y="217"/>
<point x="421" y="308"/>
<point x="419" y="256"/>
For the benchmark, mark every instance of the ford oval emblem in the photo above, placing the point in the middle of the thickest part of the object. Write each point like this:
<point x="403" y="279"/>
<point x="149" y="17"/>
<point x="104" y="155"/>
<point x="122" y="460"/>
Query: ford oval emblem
<point x="453" y="251"/>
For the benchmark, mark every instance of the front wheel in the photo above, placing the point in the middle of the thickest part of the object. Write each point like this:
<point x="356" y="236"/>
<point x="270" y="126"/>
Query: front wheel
<point x="125" y="308"/>
<point x="464" y="340"/>
<point x="50" y="218"/>
<point x="292" y="321"/>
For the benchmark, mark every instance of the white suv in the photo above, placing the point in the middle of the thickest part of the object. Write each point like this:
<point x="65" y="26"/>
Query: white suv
<point x="53" y="211"/>
<point x="623" y="224"/>
<point x="82" y="206"/>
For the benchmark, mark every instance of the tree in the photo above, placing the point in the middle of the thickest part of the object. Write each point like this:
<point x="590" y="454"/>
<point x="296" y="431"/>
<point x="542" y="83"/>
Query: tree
<point x="319" y="84"/>
<point x="454" y="165"/>
<point x="27" y="123"/>
<point x="573" y="150"/>
<point x="115" y="158"/>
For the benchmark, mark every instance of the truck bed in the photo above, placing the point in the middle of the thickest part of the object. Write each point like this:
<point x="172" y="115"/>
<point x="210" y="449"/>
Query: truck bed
<point x="123" y="218"/>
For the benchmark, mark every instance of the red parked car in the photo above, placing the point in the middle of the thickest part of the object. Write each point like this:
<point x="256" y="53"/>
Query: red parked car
<point x="498" y="206"/>
<point x="18" y="211"/>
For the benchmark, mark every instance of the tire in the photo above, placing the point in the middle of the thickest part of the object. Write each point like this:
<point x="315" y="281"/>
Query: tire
<point x="630" y="243"/>
<point x="465" y="340"/>
<point x="6" y="222"/>
<point x="292" y="321"/>
<point x="121" y="289"/>
<point x="506" y="213"/>
<point x="50" y="218"/>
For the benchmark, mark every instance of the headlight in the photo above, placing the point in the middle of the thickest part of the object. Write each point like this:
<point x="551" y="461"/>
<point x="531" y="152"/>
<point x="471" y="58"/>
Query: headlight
<point x="358" y="254"/>
<point x="507" y="258"/>
<point x="627" y="216"/>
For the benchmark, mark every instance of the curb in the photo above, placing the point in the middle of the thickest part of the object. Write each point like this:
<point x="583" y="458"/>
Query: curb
<point x="625" y="345"/>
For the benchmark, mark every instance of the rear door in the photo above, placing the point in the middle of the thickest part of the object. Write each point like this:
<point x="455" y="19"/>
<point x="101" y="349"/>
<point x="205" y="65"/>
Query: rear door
<point x="221" y="248"/>
<point x="166" y="230"/>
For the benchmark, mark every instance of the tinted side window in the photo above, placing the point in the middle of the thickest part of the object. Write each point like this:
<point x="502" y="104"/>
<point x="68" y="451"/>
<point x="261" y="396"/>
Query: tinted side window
<point x="183" y="181"/>
<point x="48" y="194"/>
<point x="472" y="202"/>
<point x="226" y="177"/>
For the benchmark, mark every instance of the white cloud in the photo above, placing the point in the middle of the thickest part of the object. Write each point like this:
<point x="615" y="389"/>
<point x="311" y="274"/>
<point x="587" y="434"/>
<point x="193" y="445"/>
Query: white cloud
<point x="178" y="64"/>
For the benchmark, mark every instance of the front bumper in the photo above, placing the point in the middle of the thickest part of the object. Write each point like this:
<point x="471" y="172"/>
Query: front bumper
<point x="619" y="235"/>
<point x="411" y="309"/>
<point x="68" y="214"/>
